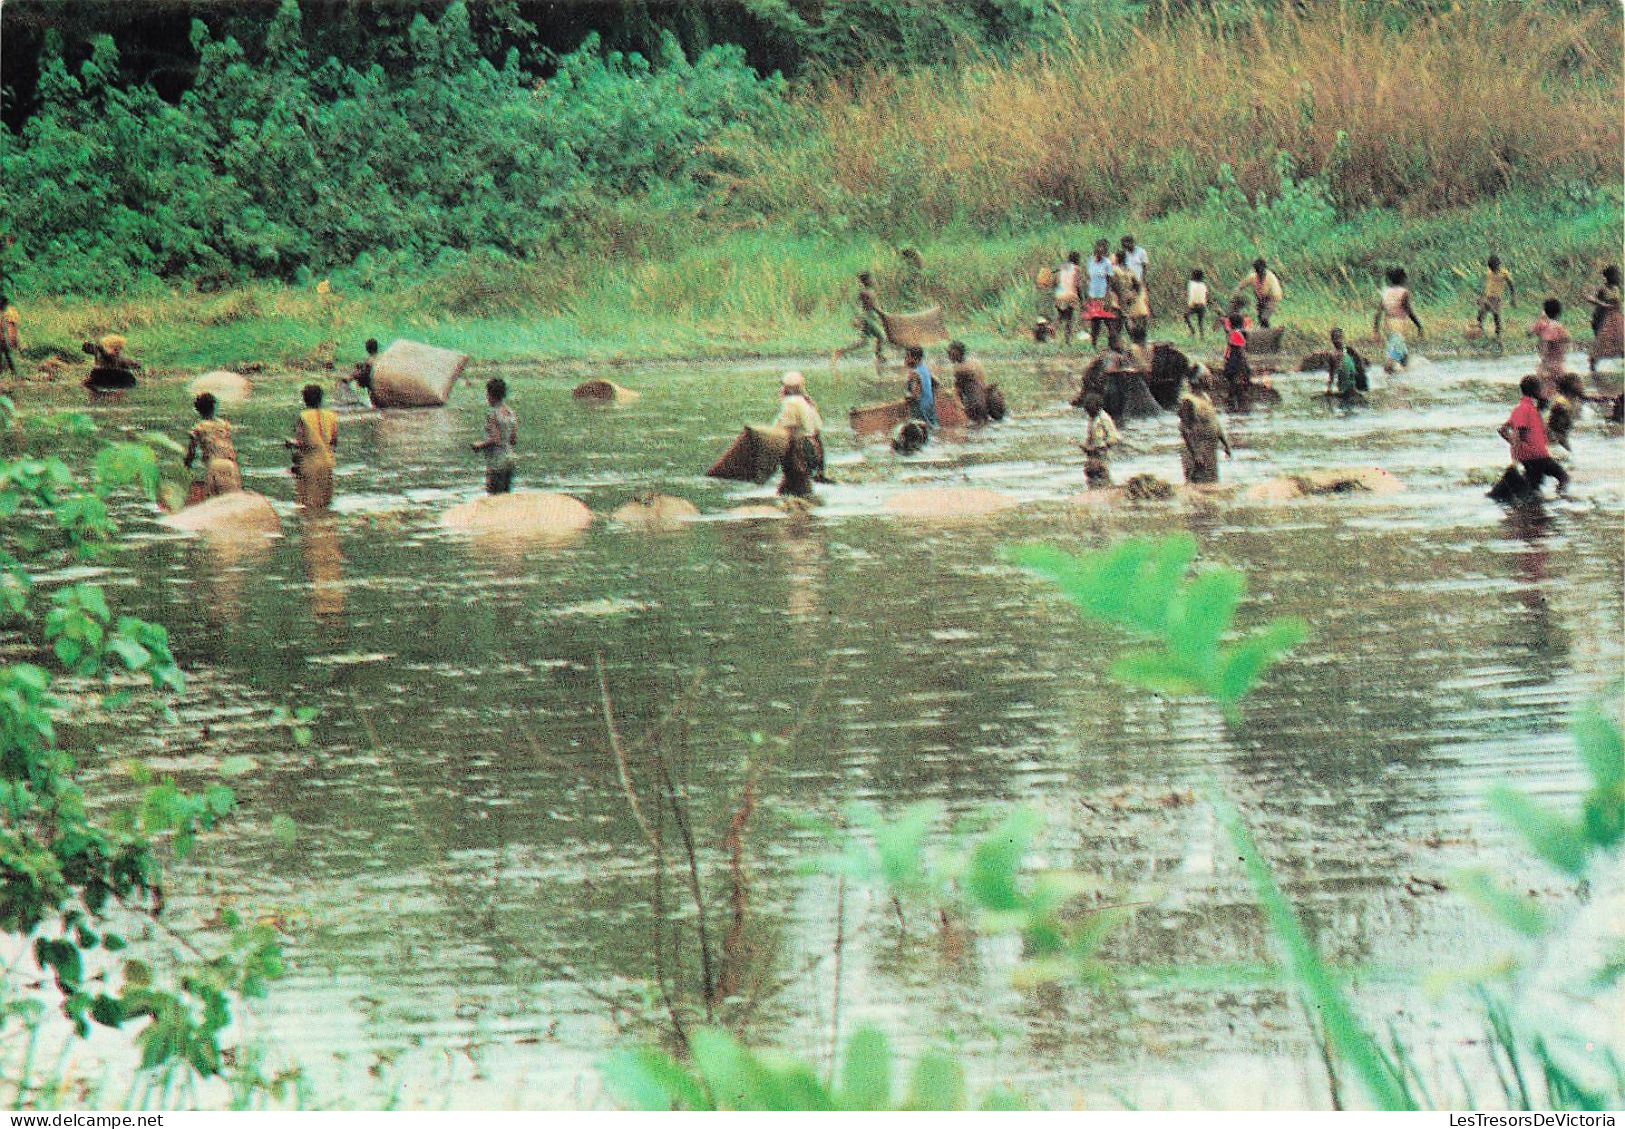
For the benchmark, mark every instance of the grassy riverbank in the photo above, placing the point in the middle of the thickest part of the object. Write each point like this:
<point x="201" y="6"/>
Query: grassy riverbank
<point x="697" y="292"/>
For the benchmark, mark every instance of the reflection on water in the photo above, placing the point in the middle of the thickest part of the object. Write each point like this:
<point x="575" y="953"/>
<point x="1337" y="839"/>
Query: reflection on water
<point x="478" y="909"/>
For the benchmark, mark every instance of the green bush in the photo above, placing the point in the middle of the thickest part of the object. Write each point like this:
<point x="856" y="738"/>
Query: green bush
<point x="276" y="166"/>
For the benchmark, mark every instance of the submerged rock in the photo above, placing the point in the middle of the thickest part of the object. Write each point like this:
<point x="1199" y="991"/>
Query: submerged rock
<point x="949" y="503"/>
<point x="656" y="511"/>
<point x="1339" y="480"/>
<point x="239" y="512"/>
<point x="528" y="514"/>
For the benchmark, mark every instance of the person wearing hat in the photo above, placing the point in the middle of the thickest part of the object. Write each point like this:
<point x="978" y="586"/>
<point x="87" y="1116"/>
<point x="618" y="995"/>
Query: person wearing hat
<point x="804" y="454"/>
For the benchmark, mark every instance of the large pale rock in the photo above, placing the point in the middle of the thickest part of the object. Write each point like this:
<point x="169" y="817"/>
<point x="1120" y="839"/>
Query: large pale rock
<point x="227" y="387"/>
<point x="1337" y="480"/>
<point x="603" y="392"/>
<point x="656" y="511"/>
<point x="948" y="503"/>
<point x="239" y="512"/>
<point x="409" y="374"/>
<point x="527" y="514"/>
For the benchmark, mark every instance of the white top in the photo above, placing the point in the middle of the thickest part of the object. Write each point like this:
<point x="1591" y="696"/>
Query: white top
<point x="1195" y="293"/>
<point x="1066" y="281"/>
<point x="1135" y="261"/>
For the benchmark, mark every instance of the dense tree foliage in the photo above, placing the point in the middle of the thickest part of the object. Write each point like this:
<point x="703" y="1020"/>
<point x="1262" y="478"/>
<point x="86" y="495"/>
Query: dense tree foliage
<point x="278" y="165"/>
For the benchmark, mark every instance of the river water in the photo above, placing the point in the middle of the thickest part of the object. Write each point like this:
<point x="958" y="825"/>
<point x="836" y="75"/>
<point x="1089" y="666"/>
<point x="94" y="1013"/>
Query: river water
<point x="469" y="904"/>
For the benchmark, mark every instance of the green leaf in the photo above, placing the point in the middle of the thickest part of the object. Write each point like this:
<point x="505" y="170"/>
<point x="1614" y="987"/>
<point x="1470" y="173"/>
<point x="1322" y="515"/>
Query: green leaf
<point x="649" y="1080"/>
<point x="1242" y="665"/>
<point x="1601" y="747"/>
<point x="866" y="1073"/>
<point x="1157" y="671"/>
<point x="1348" y="1039"/>
<point x="937" y="1083"/>
<point x="1202" y="615"/>
<point x="995" y="860"/>
<point x="1550" y="836"/>
<point x="1517" y="913"/>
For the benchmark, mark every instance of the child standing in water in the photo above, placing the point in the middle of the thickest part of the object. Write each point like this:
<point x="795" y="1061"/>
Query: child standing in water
<point x="1551" y="342"/>
<point x="1393" y="313"/>
<point x="920" y="391"/>
<point x="211" y="446"/>
<point x="1102" y="435"/>
<point x="1196" y="303"/>
<point x="315" y="440"/>
<point x="501" y="435"/>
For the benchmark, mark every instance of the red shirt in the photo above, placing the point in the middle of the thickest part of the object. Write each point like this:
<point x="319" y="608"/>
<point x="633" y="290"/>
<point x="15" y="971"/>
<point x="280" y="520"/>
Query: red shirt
<point x="1533" y="443"/>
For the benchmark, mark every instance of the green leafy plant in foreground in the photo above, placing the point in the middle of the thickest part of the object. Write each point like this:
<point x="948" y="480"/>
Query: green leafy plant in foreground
<point x="722" y="1074"/>
<point x="69" y="876"/>
<point x="1141" y="586"/>
<point x="982" y="879"/>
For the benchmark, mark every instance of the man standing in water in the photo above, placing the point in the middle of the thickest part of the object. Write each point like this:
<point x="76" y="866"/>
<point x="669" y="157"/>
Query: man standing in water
<point x="804" y="454"/>
<point x="501" y="435"/>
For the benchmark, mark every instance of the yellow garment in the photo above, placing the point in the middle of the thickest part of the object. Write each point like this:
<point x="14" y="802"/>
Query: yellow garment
<point x="316" y="434"/>
<point x="798" y="412"/>
<point x="1496" y="282"/>
<point x="11" y="327"/>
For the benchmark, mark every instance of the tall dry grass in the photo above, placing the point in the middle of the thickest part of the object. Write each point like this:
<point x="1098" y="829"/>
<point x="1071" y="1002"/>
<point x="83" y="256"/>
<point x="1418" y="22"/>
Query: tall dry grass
<point x="1440" y="115"/>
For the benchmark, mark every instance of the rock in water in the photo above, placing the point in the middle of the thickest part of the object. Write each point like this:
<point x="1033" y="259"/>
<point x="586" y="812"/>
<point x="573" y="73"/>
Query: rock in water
<point x="527" y="514"/>
<point x="656" y="511"/>
<point x="239" y="512"/>
<point x="1340" y="480"/>
<point x="1147" y="488"/>
<point x="949" y="503"/>
<point x="603" y="392"/>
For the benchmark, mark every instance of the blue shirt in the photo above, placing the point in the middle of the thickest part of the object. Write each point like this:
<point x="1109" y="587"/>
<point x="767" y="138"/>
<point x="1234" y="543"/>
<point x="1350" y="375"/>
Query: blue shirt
<point x="1100" y="273"/>
<point x="925" y="408"/>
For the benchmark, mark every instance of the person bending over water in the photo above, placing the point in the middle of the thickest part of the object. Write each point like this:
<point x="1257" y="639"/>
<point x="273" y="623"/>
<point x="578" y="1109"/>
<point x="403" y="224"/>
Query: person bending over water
<point x="1345" y="370"/>
<point x="210" y="445"/>
<point x="1265" y="287"/>
<point x="1564" y="411"/>
<point x="501" y="436"/>
<point x="360" y="376"/>
<point x="315" y="440"/>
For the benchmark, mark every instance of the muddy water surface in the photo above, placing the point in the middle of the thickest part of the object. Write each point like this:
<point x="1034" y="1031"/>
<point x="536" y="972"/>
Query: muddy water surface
<point x="470" y="904"/>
